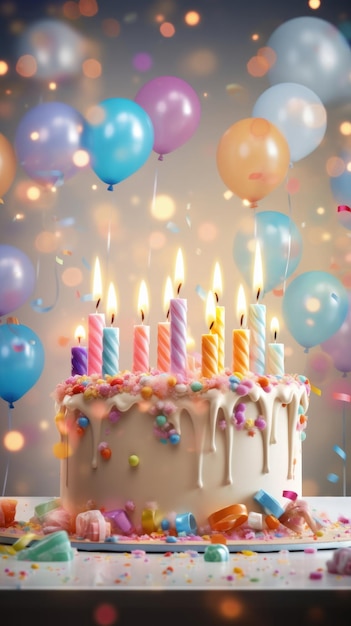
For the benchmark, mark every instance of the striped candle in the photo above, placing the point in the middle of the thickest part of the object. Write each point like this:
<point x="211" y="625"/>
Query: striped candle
<point x="110" y="351"/>
<point x="96" y="324"/>
<point x="178" y="336"/>
<point x="275" y="359"/>
<point x="218" y="329"/>
<point x="257" y="327"/>
<point x="241" y="350"/>
<point x="209" y="354"/>
<point x="141" y="340"/>
<point x="163" y="346"/>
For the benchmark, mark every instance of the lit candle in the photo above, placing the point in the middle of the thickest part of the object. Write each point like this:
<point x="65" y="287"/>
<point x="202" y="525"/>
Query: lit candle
<point x="275" y="360"/>
<point x="209" y="341"/>
<point x="141" y="344"/>
<point x="241" y="338"/>
<point x="257" y="321"/>
<point x="178" y="321"/>
<point x="110" y="337"/>
<point x="219" y="324"/>
<point x="164" y="333"/>
<point x="96" y="324"/>
<point x="79" y="354"/>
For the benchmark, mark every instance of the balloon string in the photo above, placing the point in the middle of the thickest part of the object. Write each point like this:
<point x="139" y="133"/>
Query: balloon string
<point x="10" y="407"/>
<point x="289" y="239"/>
<point x="37" y="304"/>
<point x="155" y="187"/>
<point x="344" y="448"/>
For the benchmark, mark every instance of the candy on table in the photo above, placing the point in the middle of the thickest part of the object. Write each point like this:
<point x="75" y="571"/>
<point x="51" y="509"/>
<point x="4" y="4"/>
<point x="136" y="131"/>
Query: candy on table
<point x="215" y="553"/>
<point x="53" y="547"/>
<point x="45" y="507"/>
<point x="93" y="526"/>
<point x="7" y="511"/>
<point x="120" y="521"/>
<point x="340" y="563"/>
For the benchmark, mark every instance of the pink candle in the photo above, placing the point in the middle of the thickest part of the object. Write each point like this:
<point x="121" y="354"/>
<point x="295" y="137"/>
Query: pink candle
<point x="141" y="338"/>
<point x="79" y="355"/>
<point x="164" y="333"/>
<point x="178" y="329"/>
<point x="96" y="324"/>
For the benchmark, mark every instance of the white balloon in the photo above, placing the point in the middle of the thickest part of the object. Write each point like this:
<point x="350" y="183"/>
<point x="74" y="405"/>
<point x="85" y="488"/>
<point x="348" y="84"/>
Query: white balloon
<point x="297" y="112"/>
<point x="312" y="52"/>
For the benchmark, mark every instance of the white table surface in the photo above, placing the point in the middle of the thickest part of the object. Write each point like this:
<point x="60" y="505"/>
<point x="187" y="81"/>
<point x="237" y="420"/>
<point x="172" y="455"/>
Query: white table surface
<point x="141" y="572"/>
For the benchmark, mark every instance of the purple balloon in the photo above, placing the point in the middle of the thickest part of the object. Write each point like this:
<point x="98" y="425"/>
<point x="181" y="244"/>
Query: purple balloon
<point x="46" y="141"/>
<point x="17" y="278"/>
<point x="174" y="109"/>
<point x="338" y="346"/>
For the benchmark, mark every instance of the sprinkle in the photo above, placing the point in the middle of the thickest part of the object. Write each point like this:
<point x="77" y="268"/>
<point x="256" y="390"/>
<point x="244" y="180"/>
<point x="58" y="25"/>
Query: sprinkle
<point x="340" y="452"/>
<point x="316" y="575"/>
<point x="333" y="478"/>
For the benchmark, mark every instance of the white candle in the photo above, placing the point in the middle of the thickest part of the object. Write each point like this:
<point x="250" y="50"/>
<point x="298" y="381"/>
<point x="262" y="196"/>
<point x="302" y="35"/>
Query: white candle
<point x="141" y="343"/>
<point x="96" y="324"/>
<point x="257" y="321"/>
<point x="110" y="337"/>
<point x="219" y="322"/>
<point x="275" y="357"/>
<point x="178" y="321"/>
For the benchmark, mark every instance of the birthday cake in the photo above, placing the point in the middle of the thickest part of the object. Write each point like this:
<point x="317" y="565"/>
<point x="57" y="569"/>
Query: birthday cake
<point x="202" y="455"/>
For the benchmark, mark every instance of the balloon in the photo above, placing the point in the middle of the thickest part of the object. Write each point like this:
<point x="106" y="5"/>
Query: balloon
<point x="17" y="278"/>
<point x="8" y="165"/>
<point x="119" y="141"/>
<point x="174" y="109"/>
<point x="21" y="361"/>
<point x="341" y="190"/>
<point x="280" y="244"/>
<point x="314" y="53"/>
<point x="298" y="113"/>
<point x="252" y="158"/>
<point x="47" y="140"/>
<point x="58" y="50"/>
<point x="315" y="305"/>
<point x="338" y="345"/>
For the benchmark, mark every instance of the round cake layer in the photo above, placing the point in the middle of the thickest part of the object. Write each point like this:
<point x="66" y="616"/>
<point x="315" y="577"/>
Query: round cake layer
<point x="157" y="450"/>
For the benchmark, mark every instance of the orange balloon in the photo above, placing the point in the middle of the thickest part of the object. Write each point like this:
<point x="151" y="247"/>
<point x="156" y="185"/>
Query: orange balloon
<point x="253" y="158"/>
<point x="8" y="164"/>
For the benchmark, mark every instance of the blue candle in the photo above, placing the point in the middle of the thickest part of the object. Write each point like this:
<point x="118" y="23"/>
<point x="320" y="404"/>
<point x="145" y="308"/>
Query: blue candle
<point x="110" y="338"/>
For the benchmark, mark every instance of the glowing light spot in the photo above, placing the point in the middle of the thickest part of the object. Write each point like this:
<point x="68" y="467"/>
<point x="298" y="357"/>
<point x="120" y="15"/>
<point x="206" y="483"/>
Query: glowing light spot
<point x="192" y="18"/>
<point x="95" y="115"/>
<point x="81" y="158"/>
<point x="345" y="128"/>
<point x="44" y="425"/>
<point x="167" y="30"/>
<point x="314" y="4"/>
<point x="105" y="615"/>
<point x="46" y="242"/>
<point x="26" y="66"/>
<point x="228" y="194"/>
<point x="142" y="62"/>
<point x="13" y="441"/>
<point x="255" y="37"/>
<point x="257" y="66"/>
<point x="33" y="193"/>
<point x="111" y="27"/>
<point x="157" y="240"/>
<point x="72" y="276"/>
<point x="230" y="608"/>
<point x="52" y="86"/>
<point x="61" y="449"/>
<point x="163" y="208"/>
<point x="320" y="210"/>
<point x="207" y="232"/>
<point x="92" y="68"/>
<point x="34" y="135"/>
<point x="313" y="305"/>
<point x="4" y="68"/>
<point x="335" y="166"/>
<point x="293" y="185"/>
<point x="88" y="8"/>
<point x="268" y="54"/>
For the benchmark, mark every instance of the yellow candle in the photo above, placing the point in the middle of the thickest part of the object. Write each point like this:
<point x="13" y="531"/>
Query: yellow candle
<point x="209" y="342"/>
<point x="275" y="357"/>
<point x="218" y="327"/>
<point x="241" y="338"/>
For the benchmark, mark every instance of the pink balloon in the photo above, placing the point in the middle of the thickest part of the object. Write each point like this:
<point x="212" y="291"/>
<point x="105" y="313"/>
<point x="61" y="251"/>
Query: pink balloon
<point x="174" y="109"/>
<point x="338" y="346"/>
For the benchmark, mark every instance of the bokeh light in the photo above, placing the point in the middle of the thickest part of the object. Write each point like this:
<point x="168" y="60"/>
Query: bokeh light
<point x="13" y="441"/>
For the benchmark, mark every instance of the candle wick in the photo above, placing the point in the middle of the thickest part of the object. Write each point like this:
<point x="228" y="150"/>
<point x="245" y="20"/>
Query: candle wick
<point x="79" y="340"/>
<point x="112" y="318"/>
<point x="167" y="316"/>
<point x="258" y="294"/>
<point x="179" y="287"/>
<point x="97" y="304"/>
<point x="275" y="335"/>
<point x="142" y="315"/>
<point x="242" y="320"/>
<point x="211" y="325"/>
<point x="216" y="296"/>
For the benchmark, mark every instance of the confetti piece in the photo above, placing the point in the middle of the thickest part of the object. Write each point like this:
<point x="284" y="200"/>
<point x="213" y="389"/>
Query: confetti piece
<point x="188" y="221"/>
<point x="200" y="292"/>
<point x="343" y="207"/>
<point x="172" y="227"/>
<point x="87" y="297"/>
<point x="340" y="452"/>
<point x="67" y="252"/>
<point x="86" y="263"/>
<point x="344" y="397"/>
<point x="67" y="221"/>
<point x="59" y="261"/>
<point x="315" y="390"/>
<point x="333" y="478"/>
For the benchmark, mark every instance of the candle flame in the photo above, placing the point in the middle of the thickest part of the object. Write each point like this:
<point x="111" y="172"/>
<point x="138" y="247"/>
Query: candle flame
<point x="168" y="295"/>
<point x="143" y="300"/>
<point x="241" y="306"/>
<point x="97" y="283"/>
<point x="111" y="308"/>
<point x="210" y="309"/>
<point x="274" y="328"/>
<point x="258" y="275"/>
<point x="217" y="281"/>
<point x="80" y="333"/>
<point x="179" y="271"/>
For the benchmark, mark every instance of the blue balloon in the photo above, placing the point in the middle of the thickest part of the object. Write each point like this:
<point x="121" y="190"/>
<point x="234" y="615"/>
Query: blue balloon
<point x="315" y="305"/>
<point x="341" y="188"/>
<point x="21" y="361"/>
<point x="297" y="112"/>
<point x="281" y="248"/>
<point x="47" y="140"/>
<point x="120" y="141"/>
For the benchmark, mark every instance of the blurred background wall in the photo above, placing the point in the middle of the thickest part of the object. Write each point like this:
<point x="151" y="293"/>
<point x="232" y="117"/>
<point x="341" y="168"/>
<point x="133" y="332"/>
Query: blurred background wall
<point x="81" y="53"/>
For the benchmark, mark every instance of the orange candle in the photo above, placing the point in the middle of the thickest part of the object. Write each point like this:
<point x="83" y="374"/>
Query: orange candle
<point x="141" y="343"/>
<point x="241" y="338"/>
<point x="218" y="327"/>
<point x="209" y="342"/>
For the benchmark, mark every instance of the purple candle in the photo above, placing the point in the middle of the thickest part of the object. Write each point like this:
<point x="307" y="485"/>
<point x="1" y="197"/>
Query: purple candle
<point x="79" y="355"/>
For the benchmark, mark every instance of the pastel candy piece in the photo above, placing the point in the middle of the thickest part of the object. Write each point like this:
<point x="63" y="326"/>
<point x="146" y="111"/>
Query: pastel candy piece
<point x="54" y="547"/>
<point x="255" y="520"/>
<point x="120" y="521"/>
<point x="215" y="553"/>
<point x="340" y="563"/>
<point x="7" y="511"/>
<point x="57" y="519"/>
<point x="92" y="525"/>
<point x="45" y="507"/>
<point x="269" y="504"/>
<point x="186" y="523"/>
